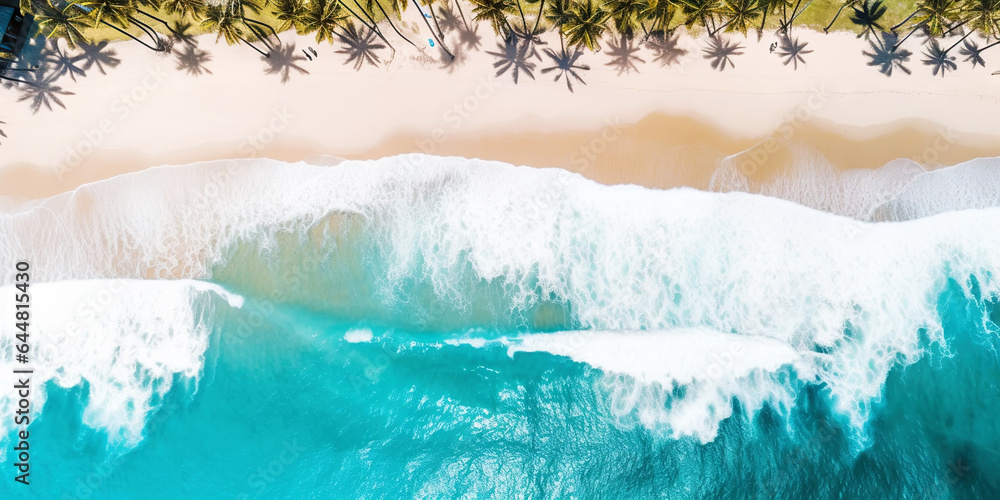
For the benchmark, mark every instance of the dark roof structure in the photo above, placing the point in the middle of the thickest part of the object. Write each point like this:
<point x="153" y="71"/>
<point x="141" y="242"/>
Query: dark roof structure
<point x="15" y="28"/>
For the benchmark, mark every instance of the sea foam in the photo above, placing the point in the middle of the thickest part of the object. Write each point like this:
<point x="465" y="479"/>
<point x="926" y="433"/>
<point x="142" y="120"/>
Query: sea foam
<point x="444" y="244"/>
<point x="124" y="341"/>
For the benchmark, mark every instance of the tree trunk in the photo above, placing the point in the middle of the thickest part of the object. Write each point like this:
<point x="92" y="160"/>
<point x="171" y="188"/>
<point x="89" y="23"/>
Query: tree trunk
<point x="116" y="28"/>
<point x="541" y="11"/>
<point x="893" y="29"/>
<point x="914" y="30"/>
<point x="841" y="9"/>
<point x="373" y="27"/>
<point x="390" y="22"/>
<point x="422" y="15"/>
<point x="960" y="40"/>
<point x="261" y="52"/>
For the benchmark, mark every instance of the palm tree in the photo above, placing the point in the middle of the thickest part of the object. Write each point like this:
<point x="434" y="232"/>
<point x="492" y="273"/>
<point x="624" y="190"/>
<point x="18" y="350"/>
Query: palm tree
<point x="541" y="12"/>
<point x="193" y="9"/>
<point x="931" y="15"/>
<point x="117" y="14"/>
<point x="846" y="4"/>
<point x="240" y="8"/>
<point x="796" y="12"/>
<point x="226" y="24"/>
<point x="982" y="16"/>
<point x="699" y="10"/>
<point x="494" y="12"/>
<point x="659" y="13"/>
<point x="585" y="25"/>
<point x="740" y="13"/>
<point x="559" y="14"/>
<point x="66" y="23"/>
<point x="154" y="5"/>
<point x="290" y="14"/>
<point x="625" y="15"/>
<point x="397" y="8"/>
<point x="867" y="17"/>
<point x="323" y="17"/>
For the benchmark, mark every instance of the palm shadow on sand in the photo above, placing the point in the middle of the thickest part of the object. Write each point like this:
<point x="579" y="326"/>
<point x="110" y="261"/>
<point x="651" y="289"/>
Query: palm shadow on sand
<point x="39" y="89"/>
<point x="283" y="60"/>
<point x="665" y="49"/>
<point x="720" y="51"/>
<point x="566" y="65"/>
<point x="884" y="57"/>
<point x="98" y="55"/>
<point x="360" y="48"/>
<point x="191" y="60"/>
<point x="513" y="56"/>
<point x="623" y="55"/>
<point x="791" y="50"/>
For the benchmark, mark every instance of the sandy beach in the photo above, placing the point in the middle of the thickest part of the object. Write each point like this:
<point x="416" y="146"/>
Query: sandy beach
<point x="659" y="126"/>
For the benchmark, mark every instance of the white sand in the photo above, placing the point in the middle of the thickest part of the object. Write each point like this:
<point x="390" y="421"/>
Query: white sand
<point x="151" y="113"/>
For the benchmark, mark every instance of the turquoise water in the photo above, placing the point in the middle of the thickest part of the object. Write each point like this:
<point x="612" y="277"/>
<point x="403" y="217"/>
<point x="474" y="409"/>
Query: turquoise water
<point x="620" y="343"/>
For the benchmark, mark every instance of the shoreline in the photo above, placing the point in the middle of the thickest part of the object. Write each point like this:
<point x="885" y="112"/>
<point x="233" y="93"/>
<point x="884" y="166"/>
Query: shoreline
<point x="658" y="127"/>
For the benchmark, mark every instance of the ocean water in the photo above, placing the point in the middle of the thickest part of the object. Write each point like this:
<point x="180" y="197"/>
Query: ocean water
<point x="423" y="327"/>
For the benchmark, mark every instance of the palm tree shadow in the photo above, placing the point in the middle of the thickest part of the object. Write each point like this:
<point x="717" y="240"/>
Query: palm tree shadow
<point x="720" y="51"/>
<point x="513" y="56"/>
<point x="566" y="65"/>
<point x="453" y="63"/>
<point x="283" y="60"/>
<point x="60" y="62"/>
<point x="665" y="49"/>
<point x="791" y="50"/>
<point x="938" y="59"/>
<point x="181" y="34"/>
<point x="530" y="38"/>
<point x="99" y="55"/>
<point x="623" y="56"/>
<point x="192" y="60"/>
<point x="40" y="89"/>
<point x="2" y="134"/>
<point x="887" y="59"/>
<point x="467" y="35"/>
<point x="972" y="53"/>
<point x="360" y="48"/>
<point x="447" y="18"/>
